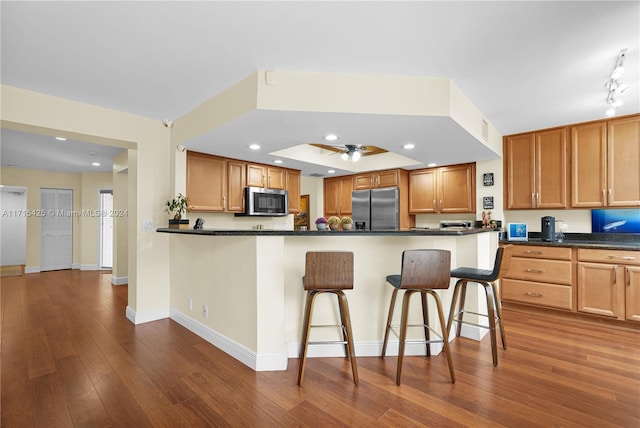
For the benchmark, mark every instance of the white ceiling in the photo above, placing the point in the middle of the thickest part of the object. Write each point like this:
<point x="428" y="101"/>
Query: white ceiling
<point x="525" y="65"/>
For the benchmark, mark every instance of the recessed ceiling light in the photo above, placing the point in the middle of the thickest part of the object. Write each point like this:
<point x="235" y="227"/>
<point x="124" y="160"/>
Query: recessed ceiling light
<point x="277" y="161"/>
<point x="254" y="146"/>
<point x="332" y="171"/>
<point x="61" y="139"/>
<point x="409" y="146"/>
<point x="95" y="163"/>
<point x="331" y="137"/>
<point x="432" y="164"/>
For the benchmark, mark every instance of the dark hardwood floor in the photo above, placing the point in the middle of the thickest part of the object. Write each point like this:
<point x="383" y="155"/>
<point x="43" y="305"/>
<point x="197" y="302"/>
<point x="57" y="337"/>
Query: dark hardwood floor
<point x="69" y="357"/>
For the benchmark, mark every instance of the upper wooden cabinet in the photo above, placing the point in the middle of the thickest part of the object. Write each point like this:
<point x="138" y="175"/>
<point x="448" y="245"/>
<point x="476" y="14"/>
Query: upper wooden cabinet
<point x="606" y="163"/>
<point x="293" y="188"/>
<point x="236" y="182"/>
<point x="536" y="170"/>
<point x="337" y="195"/>
<point x="206" y="182"/>
<point x="266" y="176"/>
<point x="377" y="179"/>
<point x="449" y="189"/>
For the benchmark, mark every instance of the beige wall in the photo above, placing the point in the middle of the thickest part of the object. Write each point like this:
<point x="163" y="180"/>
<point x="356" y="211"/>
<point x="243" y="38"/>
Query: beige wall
<point x="91" y="184"/>
<point x="149" y="175"/>
<point x="120" y="223"/>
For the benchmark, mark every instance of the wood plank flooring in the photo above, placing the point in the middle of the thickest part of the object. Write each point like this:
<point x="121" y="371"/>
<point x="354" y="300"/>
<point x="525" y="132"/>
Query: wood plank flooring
<point x="70" y="358"/>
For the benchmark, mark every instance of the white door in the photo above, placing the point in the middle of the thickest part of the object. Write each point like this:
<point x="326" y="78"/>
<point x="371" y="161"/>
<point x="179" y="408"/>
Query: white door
<point x="56" y="229"/>
<point x="106" y="229"/>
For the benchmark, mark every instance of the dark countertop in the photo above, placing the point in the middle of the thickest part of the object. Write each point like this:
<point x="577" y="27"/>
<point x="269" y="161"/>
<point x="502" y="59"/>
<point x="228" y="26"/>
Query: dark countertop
<point x="267" y="232"/>
<point x="605" y="241"/>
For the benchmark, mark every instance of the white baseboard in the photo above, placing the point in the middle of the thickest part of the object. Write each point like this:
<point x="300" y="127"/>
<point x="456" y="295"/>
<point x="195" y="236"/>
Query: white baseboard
<point x="75" y="266"/>
<point x="148" y="316"/>
<point x="269" y="362"/>
<point x="119" y="280"/>
<point x="32" y="269"/>
<point x="88" y="267"/>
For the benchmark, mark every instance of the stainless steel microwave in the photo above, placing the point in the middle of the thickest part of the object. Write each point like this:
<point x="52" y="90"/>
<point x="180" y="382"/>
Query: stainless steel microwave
<point x="259" y="201"/>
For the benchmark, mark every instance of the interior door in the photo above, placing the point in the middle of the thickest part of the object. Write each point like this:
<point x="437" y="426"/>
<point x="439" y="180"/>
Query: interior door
<point x="56" y="229"/>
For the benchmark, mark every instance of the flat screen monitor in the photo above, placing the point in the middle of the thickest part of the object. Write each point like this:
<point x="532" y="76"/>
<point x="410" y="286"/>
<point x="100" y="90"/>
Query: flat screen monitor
<point x="615" y="221"/>
<point x="517" y="231"/>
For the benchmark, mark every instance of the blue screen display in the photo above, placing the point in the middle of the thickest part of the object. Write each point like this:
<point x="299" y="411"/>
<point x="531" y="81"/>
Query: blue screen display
<point x="615" y="221"/>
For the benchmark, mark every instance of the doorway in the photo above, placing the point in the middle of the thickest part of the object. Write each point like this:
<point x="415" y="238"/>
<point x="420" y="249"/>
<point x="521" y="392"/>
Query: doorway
<point x="56" y="229"/>
<point x="13" y="230"/>
<point x="106" y="229"/>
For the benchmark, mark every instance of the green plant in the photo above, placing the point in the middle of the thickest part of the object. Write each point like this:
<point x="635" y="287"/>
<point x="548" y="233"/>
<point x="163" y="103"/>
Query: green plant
<point x="346" y="220"/>
<point x="177" y="206"/>
<point x="333" y="220"/>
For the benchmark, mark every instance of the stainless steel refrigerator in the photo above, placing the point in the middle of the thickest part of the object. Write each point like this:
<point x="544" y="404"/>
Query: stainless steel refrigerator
<point x="377" y="208"/>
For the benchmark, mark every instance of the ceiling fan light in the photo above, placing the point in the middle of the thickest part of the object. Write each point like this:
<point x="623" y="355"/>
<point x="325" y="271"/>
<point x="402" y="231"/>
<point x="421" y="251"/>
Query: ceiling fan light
<point x="617" y="72"/>
<point x="617" y="103"/>
<point x="344" y="156"/>
<point x="355" y="156"/>
<point x="611" y="111"/>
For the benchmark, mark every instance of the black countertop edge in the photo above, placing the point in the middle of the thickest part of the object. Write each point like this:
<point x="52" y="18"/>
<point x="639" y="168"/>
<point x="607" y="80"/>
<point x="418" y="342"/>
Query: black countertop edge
<point x="265" y="232"/>
<point x="607" y="241"/>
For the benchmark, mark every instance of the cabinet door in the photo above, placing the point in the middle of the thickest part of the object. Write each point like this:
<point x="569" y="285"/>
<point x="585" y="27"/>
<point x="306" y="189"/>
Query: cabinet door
<point x="422" y="191"/>
<point x="256" y="176"/>
<point x="633" y="293"/>
<point x="293" y="188"/>
<point x="551" y="169"/>
<point x="236" y="179"/>
<point x="623" y="168"/>
<point x="276" y="178"/>
<point x="389" y="178"/>
<point x="520" y="171"/>
<point x="344" y="196"/>
<point x="456" y="189"/>
<point x="601" y="289"/>
<point x="331" y="194"/>
<point x="588" y="165"/>
<point x="363" y="181"/>
<point x="206" y="182"/>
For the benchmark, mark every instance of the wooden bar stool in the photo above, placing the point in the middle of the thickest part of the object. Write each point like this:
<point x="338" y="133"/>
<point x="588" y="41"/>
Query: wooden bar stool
<point x="487" y="279"/>
<point x="423" y="271"/>
<point x="328" y="272"/>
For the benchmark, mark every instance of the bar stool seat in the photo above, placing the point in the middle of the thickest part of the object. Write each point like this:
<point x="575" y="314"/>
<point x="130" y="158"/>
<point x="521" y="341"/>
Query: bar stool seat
<point x="328" y="272"/>
<point x="487" y="279"/>
<point x="423" y="271"/>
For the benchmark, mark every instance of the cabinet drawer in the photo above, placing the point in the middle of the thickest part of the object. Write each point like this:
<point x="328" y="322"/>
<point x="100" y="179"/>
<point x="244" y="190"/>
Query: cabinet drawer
<point x="540" y="252"/>
<point x="619" y="257"/>
<point x="535" y="293"/>
<point x="541" y="270"/>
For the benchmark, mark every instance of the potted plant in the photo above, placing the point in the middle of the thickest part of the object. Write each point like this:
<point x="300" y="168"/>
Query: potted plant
<point x="321" y="223"/>
<point x="347" y="223"/>
<point x="333" y="222"/>
<point x="176" y="207"/>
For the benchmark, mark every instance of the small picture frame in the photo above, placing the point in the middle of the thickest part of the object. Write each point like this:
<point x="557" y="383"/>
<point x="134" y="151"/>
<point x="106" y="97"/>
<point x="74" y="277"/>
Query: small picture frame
<point x="487" y="202"/>
<point x="517" y="231"/>
<point x="487" y="179"/>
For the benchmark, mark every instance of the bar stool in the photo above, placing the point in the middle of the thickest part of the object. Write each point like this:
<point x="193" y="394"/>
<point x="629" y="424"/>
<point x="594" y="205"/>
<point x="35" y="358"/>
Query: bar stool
<point x="423" y="271"/>
<point x="487" y="279"/>
<point x="328" y="272"/>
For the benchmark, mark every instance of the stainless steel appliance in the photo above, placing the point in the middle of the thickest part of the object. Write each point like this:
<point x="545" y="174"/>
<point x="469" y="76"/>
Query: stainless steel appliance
<point x="265" y="202"/>
<point x="548" y="228"/>
<point x="445" y="224"/>
<point x="376" y="209"/>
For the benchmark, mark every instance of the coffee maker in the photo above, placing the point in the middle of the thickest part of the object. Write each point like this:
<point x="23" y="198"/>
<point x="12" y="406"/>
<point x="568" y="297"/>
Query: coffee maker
<point x="548" y="228"/>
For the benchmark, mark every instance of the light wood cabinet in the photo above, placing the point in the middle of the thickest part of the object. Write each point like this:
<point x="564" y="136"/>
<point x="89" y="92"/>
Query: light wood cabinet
<point x="449" y="189"/>
<point x="206" y="182"/>
<point x="293" y="189"/>
<point x="536" y="170"/>
<point x="606" y="163"/>
<point x="541" y="276"/>
<point x="377" y="179"/>
<point x="266" y="176"/>
<point x="236" y="182"/>
<point x="337" y="195"/>
<point x="608" y="283"/>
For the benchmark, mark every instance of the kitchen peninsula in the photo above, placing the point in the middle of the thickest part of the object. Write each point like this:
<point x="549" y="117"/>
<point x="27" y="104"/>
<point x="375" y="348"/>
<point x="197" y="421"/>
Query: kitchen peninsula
<point x="242" y="289"/>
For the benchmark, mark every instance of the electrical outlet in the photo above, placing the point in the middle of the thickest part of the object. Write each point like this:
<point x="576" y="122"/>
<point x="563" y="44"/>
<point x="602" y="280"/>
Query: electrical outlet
<point x="190" y="303"/>
<point x="205" y="311"/>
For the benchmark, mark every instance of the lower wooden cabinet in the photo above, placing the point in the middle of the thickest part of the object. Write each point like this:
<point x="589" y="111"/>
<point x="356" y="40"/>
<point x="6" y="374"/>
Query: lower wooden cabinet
<point x="542" y="276"/>
<point x="609" y="283"/>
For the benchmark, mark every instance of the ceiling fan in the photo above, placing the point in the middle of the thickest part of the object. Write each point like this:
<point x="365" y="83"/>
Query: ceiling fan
<point x="351" y="152"/>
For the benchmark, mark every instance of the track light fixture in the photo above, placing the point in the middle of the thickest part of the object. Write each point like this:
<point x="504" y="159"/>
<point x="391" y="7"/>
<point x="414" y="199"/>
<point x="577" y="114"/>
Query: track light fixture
<point x="614" y="86"/>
